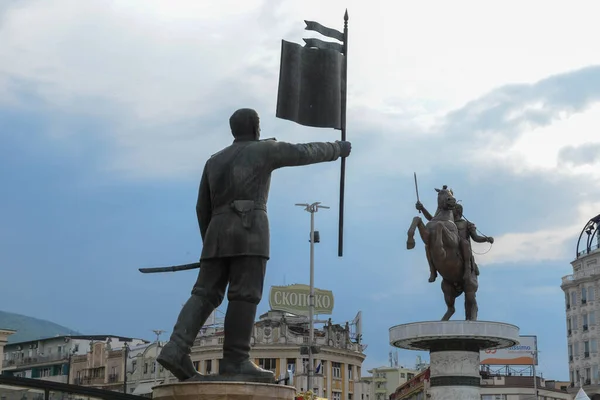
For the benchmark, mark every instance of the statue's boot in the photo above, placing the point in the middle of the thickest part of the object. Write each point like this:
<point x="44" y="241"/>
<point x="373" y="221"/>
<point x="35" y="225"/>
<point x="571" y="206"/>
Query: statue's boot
<point x="239" y="323"/>
<point x="175" y="355"/>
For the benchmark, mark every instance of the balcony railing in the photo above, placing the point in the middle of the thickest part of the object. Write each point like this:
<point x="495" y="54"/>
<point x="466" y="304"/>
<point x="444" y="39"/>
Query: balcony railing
<point x="52" y="390"/>
<point x="592" y="248"/>
<point x="38" y="359"/>
<point x="112" y="378"/>
<point x="585" y="272"/>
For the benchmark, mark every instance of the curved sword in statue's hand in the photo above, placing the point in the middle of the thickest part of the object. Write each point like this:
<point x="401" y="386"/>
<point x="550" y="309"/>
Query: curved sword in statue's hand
<point x="417" y="189"/>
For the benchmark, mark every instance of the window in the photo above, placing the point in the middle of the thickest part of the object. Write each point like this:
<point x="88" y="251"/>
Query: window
<point x="569" y="327"/>
<point x="336" y="370"/>
<point x="585" y="322"/>
<point x="208" y="366"/>
<point x="567" y="302"/>
<point x="592" y="318"/>
<point x="145" y="368"/>
<point x="594" y="346"/>
<point x="291" y="364"/>
<point x="349" y="396"/>
<point x="336" y="395"/>
<point x="590" y="293"/>
<point x="595" y="373"/>
<point x="583" y="295"/>
<point x="349" y="372"/>
<point x="402" y="375"/>
<point x="572" y="377"/>
<point x="267" y="363"/>
<point x="576" y="349"/>
<point x="570" y="352"/>
<point x="196" y="365"/>
<point x="133" y="365"/>
<point x="410" y="376"/>
<point x="586" y="348"/>
<point x="573" y="297"/>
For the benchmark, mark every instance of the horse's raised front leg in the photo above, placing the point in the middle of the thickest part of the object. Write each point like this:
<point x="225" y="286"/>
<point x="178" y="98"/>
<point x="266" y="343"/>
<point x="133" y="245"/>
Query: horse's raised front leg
<point x="417" y="222"/>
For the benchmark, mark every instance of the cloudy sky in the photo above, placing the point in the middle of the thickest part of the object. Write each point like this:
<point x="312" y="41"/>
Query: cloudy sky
<point x="108" y="111"/>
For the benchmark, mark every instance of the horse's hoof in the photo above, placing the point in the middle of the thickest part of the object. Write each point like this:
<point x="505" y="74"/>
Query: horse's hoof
<point x="432" y="279"/>
<point x="410" y="244"/>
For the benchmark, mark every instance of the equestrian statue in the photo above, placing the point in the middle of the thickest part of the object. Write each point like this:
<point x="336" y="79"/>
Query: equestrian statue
<point x="447" y="238"/>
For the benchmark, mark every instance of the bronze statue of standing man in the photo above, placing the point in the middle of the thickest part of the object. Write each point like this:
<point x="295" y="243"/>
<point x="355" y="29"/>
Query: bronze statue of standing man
<point x="232" y="216"/>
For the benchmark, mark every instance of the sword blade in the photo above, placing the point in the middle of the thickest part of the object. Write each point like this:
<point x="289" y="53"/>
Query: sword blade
<point x="174" y="268"/>
<point x="417" y="189"/>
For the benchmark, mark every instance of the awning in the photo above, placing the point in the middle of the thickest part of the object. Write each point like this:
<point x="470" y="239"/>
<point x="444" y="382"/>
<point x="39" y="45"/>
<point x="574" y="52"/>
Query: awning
<point x="581" y="395"/>
<point x="145" y="387"/>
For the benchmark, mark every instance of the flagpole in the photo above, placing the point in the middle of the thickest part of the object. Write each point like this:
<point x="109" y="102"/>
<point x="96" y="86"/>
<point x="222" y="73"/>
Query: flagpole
<point x="343" y="126"/>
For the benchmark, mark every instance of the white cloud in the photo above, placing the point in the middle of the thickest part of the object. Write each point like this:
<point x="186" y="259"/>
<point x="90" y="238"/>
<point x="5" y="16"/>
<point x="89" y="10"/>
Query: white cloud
<point x="553" y="243"/>
<point x="149" y="65"/>
<point x="538" y="148"/>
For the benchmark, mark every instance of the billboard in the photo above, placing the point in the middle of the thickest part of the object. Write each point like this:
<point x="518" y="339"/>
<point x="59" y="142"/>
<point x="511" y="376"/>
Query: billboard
<point x="294" y="299"/>
<point x="524" y="353"/>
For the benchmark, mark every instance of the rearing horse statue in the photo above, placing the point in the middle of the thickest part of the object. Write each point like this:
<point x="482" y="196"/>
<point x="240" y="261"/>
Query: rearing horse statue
<point x="443" y="249"/>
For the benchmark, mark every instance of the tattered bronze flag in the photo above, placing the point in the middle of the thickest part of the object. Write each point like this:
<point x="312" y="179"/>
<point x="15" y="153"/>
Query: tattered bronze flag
<point x="312" y="88"/>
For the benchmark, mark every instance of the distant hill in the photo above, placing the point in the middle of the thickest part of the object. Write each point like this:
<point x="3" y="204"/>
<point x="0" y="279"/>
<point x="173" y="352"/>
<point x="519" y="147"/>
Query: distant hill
<point x="29" y="328"/>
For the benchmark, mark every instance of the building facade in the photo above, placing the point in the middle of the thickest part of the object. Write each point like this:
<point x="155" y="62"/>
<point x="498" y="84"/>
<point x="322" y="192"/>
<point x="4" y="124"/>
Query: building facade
<point x="277" y="343"/>
<point x="143" y="372"/>
<point x="414" y="389"/>
<point x="4" y="334"/>
<point x="581" y="289"/>
<point x="386" y="379"/>
<point x="51" y="358"/>
<point x="493" y="387"/>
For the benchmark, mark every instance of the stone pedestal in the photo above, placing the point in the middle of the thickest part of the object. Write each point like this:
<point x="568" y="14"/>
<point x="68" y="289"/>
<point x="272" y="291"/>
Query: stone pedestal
<point x="216" y="390"/>
<point x="454" y="348"/>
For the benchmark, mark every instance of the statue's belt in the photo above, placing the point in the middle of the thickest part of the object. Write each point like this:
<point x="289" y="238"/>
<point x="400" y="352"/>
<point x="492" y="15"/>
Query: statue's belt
<point x="243" y="208"/>
<point x="230" y="208"/>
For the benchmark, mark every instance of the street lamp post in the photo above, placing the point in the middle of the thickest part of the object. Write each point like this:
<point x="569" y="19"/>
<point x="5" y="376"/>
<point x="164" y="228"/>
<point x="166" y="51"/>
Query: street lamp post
<point x="312" y="209"/>
<point x="535" y="389"/>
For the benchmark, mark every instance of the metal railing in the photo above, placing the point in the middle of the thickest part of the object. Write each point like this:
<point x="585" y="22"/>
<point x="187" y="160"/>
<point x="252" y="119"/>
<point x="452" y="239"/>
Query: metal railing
<point x="38" y="359"/>
<point x="47" y="390"/>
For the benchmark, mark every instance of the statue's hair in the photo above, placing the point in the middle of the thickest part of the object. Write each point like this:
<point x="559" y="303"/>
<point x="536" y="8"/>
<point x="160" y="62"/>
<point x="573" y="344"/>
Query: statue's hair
<point x="243" y="122"/>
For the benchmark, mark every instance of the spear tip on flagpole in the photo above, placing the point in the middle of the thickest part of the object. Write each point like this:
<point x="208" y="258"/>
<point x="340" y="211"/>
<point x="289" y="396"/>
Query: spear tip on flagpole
<point x="346" y="15"/>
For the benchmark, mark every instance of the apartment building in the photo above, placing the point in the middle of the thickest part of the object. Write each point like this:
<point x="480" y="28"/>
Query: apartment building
<point x="386" y="379"/>
<point x="581" y="289"/>
<point x="51" y="358"/>
<point x="278" y="344"/>
<point x="4" y="334"/>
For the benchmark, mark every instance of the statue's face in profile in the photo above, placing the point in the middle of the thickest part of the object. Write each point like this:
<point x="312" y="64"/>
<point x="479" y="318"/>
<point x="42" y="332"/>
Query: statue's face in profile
<point x="458" y="211"/>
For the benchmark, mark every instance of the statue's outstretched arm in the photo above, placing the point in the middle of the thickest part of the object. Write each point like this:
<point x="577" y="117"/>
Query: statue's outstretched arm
<point x="476" y="237"/>
<point x="422" y="208"/>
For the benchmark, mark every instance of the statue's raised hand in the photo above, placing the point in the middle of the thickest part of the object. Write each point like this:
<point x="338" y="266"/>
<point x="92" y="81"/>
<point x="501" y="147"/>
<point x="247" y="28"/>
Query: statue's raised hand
<point x="490" y="239"/>
<point x="419" y="206"/>
<point x="345" y="148"/>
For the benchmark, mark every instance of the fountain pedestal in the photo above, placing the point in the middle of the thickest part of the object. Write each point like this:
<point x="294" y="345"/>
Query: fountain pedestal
<point x="222" y="390"/>
<point x="454" y="348"/>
